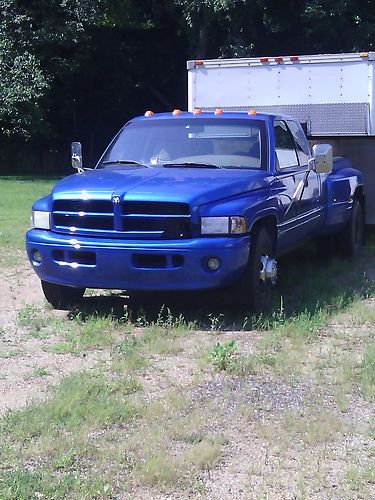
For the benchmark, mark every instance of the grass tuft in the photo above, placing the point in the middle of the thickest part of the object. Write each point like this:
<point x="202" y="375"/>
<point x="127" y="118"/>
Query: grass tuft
<point x="81" y="399"/>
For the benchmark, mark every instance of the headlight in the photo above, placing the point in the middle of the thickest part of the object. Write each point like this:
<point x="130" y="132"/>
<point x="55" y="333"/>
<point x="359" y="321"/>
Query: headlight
<point x="40" y="220"/>
<point x="223" y="225"/>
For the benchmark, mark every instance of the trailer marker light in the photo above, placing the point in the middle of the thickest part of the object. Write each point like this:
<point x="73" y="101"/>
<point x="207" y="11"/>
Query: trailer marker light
<point x="294" y="58"/>
<point x="197" y="111"/>
<point x="363" y="54"/>
<point x="149" y="113"/>
<point x="278" y="59"/>
<point x="176" y="112"/>
<point x="263" y="59"/>
<point x="198" y="62"/>
<point x="252" y="112"/>
<point x="218" y="111"/>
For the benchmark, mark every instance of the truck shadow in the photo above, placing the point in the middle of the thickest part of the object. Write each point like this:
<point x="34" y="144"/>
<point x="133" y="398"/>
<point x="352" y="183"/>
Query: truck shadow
<point x="307" y="284"/>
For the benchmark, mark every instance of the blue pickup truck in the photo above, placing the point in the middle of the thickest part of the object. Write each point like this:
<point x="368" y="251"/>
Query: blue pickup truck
<point x="187" y="201"/>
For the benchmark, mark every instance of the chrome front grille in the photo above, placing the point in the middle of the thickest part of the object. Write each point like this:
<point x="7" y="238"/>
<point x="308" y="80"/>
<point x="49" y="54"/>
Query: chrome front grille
<point x="129" y="219"/>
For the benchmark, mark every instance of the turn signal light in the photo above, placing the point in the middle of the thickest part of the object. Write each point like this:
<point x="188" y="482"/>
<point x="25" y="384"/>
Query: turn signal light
<point x="363" y="54"/>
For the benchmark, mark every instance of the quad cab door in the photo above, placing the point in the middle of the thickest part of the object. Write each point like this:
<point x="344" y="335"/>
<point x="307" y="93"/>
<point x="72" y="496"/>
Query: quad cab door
<point x="299" y="190"/>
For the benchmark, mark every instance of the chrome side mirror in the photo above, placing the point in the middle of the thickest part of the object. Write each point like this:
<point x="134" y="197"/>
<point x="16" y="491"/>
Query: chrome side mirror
<point x="322" y="154"/>
<point x="77" y="156"/>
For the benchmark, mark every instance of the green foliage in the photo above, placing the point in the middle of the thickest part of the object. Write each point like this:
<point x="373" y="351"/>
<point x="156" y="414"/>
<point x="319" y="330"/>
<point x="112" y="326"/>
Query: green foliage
<point x="82" y="68"/>
<point x="223" y="355"/>
<point x="31" y="38"/>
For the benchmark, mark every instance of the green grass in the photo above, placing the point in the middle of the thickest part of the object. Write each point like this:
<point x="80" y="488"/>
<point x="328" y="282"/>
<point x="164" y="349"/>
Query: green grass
<point x="17" y="194"/>
<point x="81" y="399"/>
<point x="41" y="372"/>
<point x="367" y="375"/>
<point x="142" y="418"/>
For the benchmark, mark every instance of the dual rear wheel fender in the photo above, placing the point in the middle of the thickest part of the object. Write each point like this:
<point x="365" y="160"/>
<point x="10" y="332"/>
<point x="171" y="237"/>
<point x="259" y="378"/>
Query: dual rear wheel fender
<point x="348" y="242"/>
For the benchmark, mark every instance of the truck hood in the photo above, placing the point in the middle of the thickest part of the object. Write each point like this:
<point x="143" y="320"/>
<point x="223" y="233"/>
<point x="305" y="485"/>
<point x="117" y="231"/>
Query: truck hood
<point x="187" y="185"/>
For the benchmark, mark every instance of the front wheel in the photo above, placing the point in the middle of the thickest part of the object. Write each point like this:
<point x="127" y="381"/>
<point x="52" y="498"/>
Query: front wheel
<point x="60" y="296"/>
<point x="254" y="288"/>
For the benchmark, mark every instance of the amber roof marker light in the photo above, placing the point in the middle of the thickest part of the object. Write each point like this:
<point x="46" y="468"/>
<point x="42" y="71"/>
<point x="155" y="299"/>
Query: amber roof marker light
<point x="197" y="111"/>
<point x="176" y="112"/>
<point x="252" y="112"/>
<point x="149" y="113"/>
<point x="218" y="111"/>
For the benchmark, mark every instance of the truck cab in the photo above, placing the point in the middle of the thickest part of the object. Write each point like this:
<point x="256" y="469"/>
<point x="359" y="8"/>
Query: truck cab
<point x="191" y="200"/>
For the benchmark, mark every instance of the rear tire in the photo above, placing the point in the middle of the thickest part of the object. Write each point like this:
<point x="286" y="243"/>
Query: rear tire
<point x="350" y="240"/>
<point x="252" y="293"/>
<point x="60" y="296"/>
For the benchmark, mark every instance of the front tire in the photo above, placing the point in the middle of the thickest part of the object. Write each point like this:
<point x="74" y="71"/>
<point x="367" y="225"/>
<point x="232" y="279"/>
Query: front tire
<point x="254" y="293"/>
<point x="60" y="296"/>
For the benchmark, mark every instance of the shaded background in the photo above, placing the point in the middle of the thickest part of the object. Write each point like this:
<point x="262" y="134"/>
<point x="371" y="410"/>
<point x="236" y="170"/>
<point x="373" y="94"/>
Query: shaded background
<point x="79" y="69"/>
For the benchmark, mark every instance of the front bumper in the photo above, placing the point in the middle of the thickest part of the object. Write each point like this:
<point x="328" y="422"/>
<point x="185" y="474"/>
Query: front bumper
<point x="136" y="265"/>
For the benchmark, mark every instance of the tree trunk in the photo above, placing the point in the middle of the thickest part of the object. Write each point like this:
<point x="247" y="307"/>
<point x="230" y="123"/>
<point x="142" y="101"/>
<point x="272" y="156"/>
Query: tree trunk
<point x="203" y="23"/>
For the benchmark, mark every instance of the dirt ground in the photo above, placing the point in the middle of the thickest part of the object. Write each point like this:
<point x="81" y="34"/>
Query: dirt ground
<point x="20" y="355"/>
<point x="249" y="461"/>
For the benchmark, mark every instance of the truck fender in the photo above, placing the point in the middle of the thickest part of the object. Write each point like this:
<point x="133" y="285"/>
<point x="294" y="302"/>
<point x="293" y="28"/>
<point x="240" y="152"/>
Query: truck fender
<point x="267" y="220"/>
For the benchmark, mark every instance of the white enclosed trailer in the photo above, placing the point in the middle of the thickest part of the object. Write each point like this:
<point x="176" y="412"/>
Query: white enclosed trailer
<point x="333" y="94"/>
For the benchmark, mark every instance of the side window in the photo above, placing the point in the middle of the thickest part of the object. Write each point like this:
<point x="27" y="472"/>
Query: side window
<point x="285" y="149"/>
<point x="303" y="150"/>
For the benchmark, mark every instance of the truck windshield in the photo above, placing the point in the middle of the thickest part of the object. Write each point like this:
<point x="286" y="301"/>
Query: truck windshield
<point x="197" y="142"/>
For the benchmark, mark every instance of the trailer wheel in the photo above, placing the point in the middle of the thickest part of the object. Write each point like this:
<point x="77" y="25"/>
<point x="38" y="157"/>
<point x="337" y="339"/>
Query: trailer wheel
<point x="350" y="239"/>
<point x="60" y="296"/>
<point x="255" y="288"/>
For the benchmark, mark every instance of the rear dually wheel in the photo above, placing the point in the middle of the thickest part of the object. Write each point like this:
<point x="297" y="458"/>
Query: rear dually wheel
<point x="350" y="239"/>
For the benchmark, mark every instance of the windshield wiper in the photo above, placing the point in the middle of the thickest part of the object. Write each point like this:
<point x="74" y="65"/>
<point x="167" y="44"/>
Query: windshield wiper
<point x="194" y="164"/>
<point x="123" y="162"/>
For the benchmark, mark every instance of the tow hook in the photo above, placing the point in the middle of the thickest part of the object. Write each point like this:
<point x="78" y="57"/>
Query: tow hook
<point x="268" y="271"/>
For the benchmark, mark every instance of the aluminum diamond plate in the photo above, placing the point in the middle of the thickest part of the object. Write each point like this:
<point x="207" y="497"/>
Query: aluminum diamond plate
<point x="329" y="119"/>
